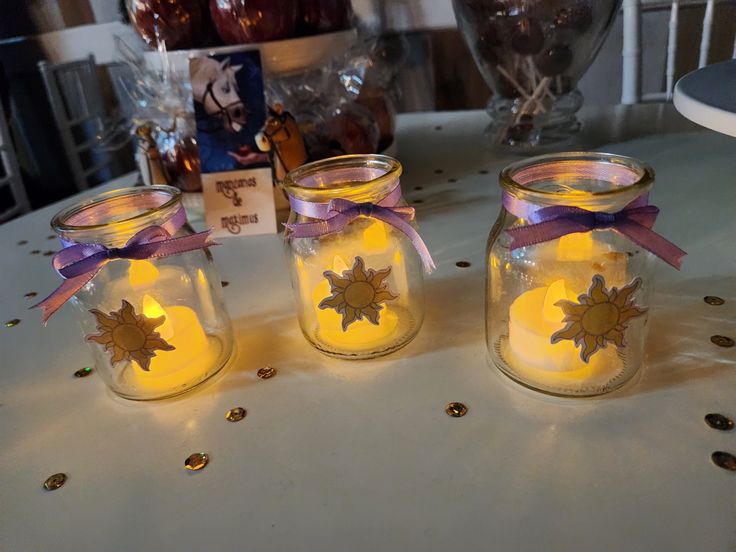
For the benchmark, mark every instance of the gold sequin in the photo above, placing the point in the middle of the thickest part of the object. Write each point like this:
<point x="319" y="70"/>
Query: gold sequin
<point x="719" y="421"/>
<point x="235" y="414"/>
<point x="196" y="461"/>
<point x="456" y="409"/>
<point x="724" y="460"/>
<point x="267" y="372"/>
<point x="713" y="300"/>
<point x="722" y="341"/>
<point x="55" y="481"/>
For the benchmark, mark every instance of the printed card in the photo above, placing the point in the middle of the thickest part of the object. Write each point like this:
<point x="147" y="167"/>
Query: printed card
<point x="230" y="109"/>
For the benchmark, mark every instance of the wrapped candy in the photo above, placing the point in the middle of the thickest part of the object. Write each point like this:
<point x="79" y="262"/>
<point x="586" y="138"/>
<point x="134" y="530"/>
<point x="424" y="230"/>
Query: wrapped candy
<point x="179" y="24"/>
<point x="249" y="21"/>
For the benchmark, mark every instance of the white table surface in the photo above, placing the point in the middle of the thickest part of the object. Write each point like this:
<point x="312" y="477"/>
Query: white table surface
<point x="360" y="456"/>
<point x="707" y="96"/>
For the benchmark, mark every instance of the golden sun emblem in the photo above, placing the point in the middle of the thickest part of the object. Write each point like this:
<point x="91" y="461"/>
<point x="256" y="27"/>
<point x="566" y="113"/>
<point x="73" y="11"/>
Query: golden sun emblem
<point x="129" y="336"/>
<point x="599" y="317"/>
<point x="358" y="293"/>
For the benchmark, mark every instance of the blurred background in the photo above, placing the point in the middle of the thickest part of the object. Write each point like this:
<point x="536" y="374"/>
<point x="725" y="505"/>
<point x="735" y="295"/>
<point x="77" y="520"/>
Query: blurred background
<point x="435" y="72"/>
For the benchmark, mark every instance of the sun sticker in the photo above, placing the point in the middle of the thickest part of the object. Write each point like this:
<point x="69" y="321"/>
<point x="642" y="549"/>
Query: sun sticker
<point x="358" y="293"/>
<point x="129" y="336"/>
<point x="601" y="316"/>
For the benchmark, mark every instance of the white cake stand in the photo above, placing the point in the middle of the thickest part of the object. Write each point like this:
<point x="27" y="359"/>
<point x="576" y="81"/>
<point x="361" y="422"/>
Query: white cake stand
<point x="708" y="97"/>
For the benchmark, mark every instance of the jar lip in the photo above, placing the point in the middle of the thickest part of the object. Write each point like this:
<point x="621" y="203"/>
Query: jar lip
<point x="60" y="223"/>
<point x="644" y="172"/>
<point x="294" y="180"/>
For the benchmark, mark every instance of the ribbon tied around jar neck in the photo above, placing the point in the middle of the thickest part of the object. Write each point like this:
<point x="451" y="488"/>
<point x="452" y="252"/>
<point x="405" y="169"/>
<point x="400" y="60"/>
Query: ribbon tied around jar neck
<point x="635" y="222"/>
<point x="338" y="213"/>
<point x="79" y="263"/>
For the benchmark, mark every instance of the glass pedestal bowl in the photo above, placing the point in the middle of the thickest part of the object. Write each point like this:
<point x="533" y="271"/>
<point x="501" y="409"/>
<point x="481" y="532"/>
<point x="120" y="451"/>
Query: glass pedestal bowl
<point x="532" y="54"/>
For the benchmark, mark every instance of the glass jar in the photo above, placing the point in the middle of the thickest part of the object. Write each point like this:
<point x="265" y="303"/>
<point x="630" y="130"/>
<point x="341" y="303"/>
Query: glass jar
<point x="532" y="55"/>
<point x="360" y="290"/>
<point x="567" y="290"/>
<point x="157" y="326"/>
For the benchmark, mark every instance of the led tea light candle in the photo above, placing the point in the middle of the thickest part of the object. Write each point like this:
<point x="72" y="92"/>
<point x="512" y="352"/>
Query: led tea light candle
<point x="144" y="287"/>
<point x="570" y="263"/>
<point x="355" y="256"/>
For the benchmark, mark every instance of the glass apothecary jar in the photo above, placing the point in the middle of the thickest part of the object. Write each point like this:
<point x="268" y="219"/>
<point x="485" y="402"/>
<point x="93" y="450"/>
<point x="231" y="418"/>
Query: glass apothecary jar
<point x="150" y="302"/>
<point x="570" y="266"/>
<point x="354" y="256"/>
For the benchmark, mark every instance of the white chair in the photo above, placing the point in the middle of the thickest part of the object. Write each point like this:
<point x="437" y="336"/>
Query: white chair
<point x="631" y="86"/>
<point x="10" y="177"/>
<point x="79" y="109"/>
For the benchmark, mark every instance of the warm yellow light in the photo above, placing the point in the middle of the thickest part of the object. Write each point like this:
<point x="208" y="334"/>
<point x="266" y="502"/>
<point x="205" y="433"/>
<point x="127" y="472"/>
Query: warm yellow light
<point x="142" y="273"/>
<point x="338" y="265"/>
<point x="575" y="247"/>
<point x="152" y="309"/>
<point x="555" y="292"/>
<point x="374" y="237"/>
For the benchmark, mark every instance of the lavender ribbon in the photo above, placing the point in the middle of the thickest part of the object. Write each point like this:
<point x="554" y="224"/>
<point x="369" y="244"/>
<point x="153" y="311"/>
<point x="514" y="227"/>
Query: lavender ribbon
<point x="79" y="263"/>
<point x="635" y="221"/>
<point x="338" y="213"/>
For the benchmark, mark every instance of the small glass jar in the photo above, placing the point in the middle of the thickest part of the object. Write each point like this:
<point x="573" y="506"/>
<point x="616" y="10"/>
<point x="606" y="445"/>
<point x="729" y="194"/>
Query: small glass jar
<point x="359" y="291"/>
<point x="158" y="326"/>
<point x="567" y="314"/>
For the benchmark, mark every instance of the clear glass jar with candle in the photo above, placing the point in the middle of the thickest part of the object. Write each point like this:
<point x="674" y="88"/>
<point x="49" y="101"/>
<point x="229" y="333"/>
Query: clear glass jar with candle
<point x="354" y="256"/>
<point x="570" y="265"/>
<point x="157" y="325"/>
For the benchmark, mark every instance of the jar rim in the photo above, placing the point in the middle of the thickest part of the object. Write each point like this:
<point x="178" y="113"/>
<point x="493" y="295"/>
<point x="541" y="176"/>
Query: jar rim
<point x="170" y="197"/>
<point x="643" y="182"/>
<point x="302" y="180"/>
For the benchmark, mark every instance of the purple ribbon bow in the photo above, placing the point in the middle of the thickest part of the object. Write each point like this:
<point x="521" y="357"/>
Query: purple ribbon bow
<point x="79" y="263"/>
<point x="341" y="212"/>
<point x="635" y="221"/>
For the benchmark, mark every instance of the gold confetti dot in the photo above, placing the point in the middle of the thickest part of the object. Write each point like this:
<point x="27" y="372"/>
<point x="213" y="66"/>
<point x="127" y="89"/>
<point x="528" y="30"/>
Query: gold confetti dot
<point x="462" y="264"/>
<point x="49" y="253"/>
<point x="713" y="300"/>
<point x="30" y="295"/>
<point x="724" y="460"/>
<point x="225" y="283"/>
<point x="35" y="252"/>
<point x="13" y="322"/>
<point x="267" y="372"/>
<point x="22" y="242"/>
<point x="55" y="482"/>
<point x="456" y="409"/>
<point x="196" y="461"/>
<point x="51" y="237"/>
<point x="235" y="414"/>
<point x="83" y="372"/>
<point x="719" y="421"/>
<point x="722" y="341"/>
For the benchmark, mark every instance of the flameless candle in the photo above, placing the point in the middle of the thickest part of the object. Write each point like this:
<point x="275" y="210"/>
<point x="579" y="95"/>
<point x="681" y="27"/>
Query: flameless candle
<point x="356" y="256"/>
<point x="569" y="263"/>
<point x="141" y="280"/>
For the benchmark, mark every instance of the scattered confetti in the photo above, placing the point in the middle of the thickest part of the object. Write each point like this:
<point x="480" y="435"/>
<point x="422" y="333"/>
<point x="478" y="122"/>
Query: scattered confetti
<point x="719" y="421"/>
<point x="713" y="300"/>
<point x="83" y="372"/>
<point x="267" y="372"/>
<point x="54" y="482"/>
<point x="724" y="460"/>
<point x="722" y="341"/>
<point x="13" y="322"/>
<point x="456" y="410"/>
<point x="235" y="414"/>
<point x="196" y="461"/>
